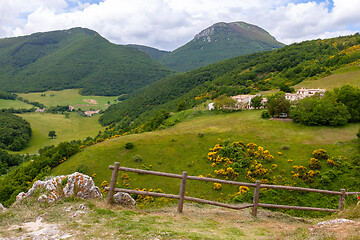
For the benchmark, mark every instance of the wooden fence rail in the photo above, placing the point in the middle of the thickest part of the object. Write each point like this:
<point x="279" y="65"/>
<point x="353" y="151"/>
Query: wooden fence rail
<point x="184" y="177"/>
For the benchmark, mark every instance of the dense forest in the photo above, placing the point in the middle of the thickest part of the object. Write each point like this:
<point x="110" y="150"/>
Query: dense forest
<point x="6" y="95"/>
<point x="241" y="75"/>
<point x="9" y="160"/>
<point x="15" y="132"/>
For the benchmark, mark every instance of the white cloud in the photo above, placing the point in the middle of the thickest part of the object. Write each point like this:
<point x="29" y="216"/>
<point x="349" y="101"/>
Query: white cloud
<point x="168" y="24"/>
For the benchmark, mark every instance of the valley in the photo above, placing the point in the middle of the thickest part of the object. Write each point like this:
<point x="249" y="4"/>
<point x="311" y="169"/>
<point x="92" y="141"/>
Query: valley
<point x="150" y="117"/>
<point x="70" y="128"/>
<point x="70" y="97"/>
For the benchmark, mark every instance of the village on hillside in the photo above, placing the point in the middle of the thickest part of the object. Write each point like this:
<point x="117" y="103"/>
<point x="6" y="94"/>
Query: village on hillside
<point x="244" y="101"/>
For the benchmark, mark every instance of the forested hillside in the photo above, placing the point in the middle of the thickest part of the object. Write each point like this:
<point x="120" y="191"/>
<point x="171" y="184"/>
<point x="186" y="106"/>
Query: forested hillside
<point x="15" y="132"/>
<point x="74" y="58"/>
<point x="241" y="75"/>
<point x="153" y="52"/>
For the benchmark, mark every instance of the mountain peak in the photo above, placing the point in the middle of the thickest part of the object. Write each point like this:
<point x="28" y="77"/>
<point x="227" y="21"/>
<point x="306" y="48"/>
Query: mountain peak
<point x="219" y="42"/>
<point x="235" y="29"/>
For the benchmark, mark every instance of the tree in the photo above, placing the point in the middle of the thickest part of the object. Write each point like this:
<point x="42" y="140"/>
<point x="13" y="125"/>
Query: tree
<point x="286" y="88"/>
<point x="181" y="106"/>
<point x="321" y="112"/>
<point x="278" y="104"/>
<point x="225" y="103"/>
<point x="350" y="97"/>
<point x="52" y="134"/>
<point x="256" y="102"/>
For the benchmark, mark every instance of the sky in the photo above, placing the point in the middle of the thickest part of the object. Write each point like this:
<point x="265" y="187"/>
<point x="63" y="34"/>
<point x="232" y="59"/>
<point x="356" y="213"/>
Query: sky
<point x="169" y="24"/>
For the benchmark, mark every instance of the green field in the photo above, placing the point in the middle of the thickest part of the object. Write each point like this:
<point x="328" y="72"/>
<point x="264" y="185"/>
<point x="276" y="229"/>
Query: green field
<point x="16" y="104"/>
<point x="180" y="148"/>
<point x="69" y="97"/>
<point x="73" y="128"/>
<point x="350" y="75"/>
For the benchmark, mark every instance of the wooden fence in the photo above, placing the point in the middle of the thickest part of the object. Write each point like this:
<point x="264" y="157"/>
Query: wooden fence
<point x="184" y="177"/>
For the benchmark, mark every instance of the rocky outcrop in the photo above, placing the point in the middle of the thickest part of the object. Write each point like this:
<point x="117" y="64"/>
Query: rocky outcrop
<point x="124" y="199"/>
<point x="2" y="208"/>
<point x="76" y="184"/>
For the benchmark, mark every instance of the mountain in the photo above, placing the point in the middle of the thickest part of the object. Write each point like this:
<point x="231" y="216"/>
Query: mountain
<point x="153" y="52"/>
<point x="262" y="71"/>
<point x="74" y="58"/>
<point x="219" y="42"/>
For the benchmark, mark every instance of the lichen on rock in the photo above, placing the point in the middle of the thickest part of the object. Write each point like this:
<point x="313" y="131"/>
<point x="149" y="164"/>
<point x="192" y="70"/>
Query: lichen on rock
<point x="76" y="184"/>
<point x="124" y="199"/>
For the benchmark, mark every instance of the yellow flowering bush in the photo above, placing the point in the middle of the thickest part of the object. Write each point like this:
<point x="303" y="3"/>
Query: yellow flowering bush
<point x="145" y="198"/>
<point x="103" y="185"/>
<point x="243" y="189"/>
<point x="227" y="173"/>
<point x="320" y="154"/>
<point x="126" y="179"/>
<point x="217" y="186"/>
<point x="236" y="157"/>
<point x="314" y="163"/>
<point x="302" y="173"/>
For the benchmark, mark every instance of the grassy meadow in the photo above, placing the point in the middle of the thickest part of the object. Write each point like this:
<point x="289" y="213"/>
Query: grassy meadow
<point x="182" y="148"/>
<point x="70" y="97"/>
<point x="73" y="128"/>
<point x="16" y="104"/>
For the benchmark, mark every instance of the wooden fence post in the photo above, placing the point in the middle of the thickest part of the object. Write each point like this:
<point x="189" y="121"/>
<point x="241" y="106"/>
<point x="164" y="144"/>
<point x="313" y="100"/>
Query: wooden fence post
<point x="256" y="198"/>
<point x="113" y="182"/>
<point x="342" y="199"/>
<point x="182" y="192"/>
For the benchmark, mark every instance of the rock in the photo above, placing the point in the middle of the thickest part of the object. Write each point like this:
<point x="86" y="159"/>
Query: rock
<point x="78" y="213"/>
<point x="68" y="209"/>
<point x="124" y="199"/>
<point x="2" y="208"/>
<point x="76" y="184"/>
<point x="335" y="221"/>
<point x="83" y="207"/>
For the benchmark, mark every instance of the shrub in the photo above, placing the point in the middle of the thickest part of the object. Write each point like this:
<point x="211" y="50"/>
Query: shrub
<point x="137" y="158"/>
<point x="217" y="186"/>
<point x="320" y="154"/>
<point x="265" y="114"/>
<point x="314" y="163"/>
<point x="285" y="147"/>
<point x="129" y="145"/>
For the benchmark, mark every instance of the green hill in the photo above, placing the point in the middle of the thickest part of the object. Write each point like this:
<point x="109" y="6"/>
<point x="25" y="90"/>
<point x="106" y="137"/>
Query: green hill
<point x="153" y="52"/>
<point x="74" y="58"/>
<point x="185" y="147"/>
<point x="219" y="42"/>
<point x="264" y="71"/>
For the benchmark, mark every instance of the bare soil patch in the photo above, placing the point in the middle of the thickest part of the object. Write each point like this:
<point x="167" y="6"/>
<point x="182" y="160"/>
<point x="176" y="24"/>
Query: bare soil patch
<point x="91" y="101"/>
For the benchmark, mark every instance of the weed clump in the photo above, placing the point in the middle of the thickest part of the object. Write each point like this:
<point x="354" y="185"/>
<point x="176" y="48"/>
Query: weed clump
<point x="129" y="145"/>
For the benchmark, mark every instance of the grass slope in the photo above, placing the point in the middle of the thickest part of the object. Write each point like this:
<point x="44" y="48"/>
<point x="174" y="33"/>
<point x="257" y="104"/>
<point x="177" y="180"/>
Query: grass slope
<point x="101" y="221"/>
<point x="349" y="75"/>
<point x="180" y="148"/>
<point x="69" y="97"/>
<point x="73" y="128"/>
